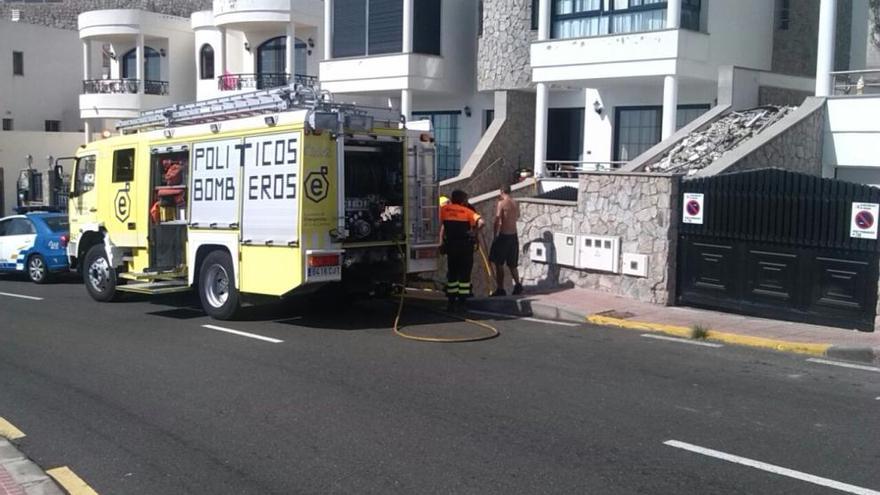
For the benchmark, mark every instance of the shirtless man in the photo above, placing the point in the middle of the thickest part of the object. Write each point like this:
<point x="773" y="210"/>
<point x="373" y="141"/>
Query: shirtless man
<point x="505" y="247"/>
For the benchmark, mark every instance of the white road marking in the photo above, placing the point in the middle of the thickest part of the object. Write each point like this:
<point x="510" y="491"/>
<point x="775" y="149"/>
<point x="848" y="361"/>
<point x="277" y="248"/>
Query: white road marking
<point x="30" y="298"/>
<point x="528" y="318"/>
<point x="243" y="334"/>
<point x="681" y="341"/>
<point x="770" y="468"/>
<point x="844" y="365"/>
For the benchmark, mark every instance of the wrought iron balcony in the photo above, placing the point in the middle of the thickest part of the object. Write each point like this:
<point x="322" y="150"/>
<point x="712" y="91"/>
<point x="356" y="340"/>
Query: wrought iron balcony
<point x="237" y="82"/>
<point x="124" y="86"/>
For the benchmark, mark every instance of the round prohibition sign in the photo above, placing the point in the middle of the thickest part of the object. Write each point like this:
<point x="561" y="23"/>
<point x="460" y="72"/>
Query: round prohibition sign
<point x="693" y="208"/>
<point x="864" y="220"/>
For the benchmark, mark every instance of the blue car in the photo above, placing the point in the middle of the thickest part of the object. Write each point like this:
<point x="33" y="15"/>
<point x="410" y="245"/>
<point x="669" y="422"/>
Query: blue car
<point x="35" y="243"/>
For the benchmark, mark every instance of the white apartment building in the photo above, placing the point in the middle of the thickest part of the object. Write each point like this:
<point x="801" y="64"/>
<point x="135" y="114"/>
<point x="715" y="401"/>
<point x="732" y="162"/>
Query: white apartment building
<point x="614" y="77"/>
<point x="246" y="45"/>
<point x="132" y="60"/>
<point x="38" y="90"/>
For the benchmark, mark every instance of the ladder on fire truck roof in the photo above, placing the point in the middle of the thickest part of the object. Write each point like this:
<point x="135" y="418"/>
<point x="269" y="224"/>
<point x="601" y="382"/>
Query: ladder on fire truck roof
<point x="284" y="98"/>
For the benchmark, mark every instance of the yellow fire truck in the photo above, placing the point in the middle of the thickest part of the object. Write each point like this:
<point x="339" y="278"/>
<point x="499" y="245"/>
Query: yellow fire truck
<point x="269" y="193"/>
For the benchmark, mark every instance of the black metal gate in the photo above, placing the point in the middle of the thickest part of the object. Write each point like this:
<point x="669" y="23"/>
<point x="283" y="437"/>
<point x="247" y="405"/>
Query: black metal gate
<point x="778" y="244"/>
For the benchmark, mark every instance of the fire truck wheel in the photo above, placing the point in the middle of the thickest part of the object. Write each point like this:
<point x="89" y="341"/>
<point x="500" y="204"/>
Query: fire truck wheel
<point x="217" y="290"/>
<point x="37" y="270"/>
<point x="98" y="275"/>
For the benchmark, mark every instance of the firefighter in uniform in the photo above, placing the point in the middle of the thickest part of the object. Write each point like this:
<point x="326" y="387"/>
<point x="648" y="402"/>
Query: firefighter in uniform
<point x="458" y="235"/>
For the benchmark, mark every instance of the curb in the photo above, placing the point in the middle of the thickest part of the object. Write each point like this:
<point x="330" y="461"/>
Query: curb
<point x="18" y="474"/>
<point x="526" y="307"/>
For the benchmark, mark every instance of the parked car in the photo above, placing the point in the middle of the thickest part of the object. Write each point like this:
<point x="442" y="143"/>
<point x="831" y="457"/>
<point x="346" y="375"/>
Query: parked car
<point x="34" y="243"/>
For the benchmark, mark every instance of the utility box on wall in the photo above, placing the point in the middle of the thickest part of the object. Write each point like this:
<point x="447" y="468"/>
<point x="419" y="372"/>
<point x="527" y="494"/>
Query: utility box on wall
<point x="566" y="248"/>
<point x="539" y="252"/>
<point x="600" y="253"/>
<point x="635" y="265"/>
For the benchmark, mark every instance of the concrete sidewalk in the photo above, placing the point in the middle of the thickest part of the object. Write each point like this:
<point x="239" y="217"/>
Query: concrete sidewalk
<point x="581" y="305"/>
<point x="20" y="476"/>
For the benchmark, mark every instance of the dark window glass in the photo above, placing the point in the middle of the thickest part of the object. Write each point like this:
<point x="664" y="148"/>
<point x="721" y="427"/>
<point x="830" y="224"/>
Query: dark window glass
<point x="480" y="18"/>
<point x="123" y="165"/>
<point x="447" y="140"/>
<point x="206" y="62"/>
<point x="349" y="28"/>
<point x="535" y="4"/>
<point x="565" y="134"/>
<point x="3" y="225"/>
<point x="85" y="174"/>
<point x="151" y="65"/>
<point x="17" y="63"/>
<point x="783" y="16"/>
<point x="271" y="55"/>
<point x="7" y="124"/>
<point x="20" y="226"/>
<point x="488" y="117"/>
<point x="57" y="224"/>
<point x="385" y="28"/>
<point x="52" y="125"/>
<point x="426" y="26"/>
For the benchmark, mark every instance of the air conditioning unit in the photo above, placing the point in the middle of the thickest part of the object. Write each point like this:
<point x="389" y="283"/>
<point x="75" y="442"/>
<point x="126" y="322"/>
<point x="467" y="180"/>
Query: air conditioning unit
<point x="565" y="247"/>
<point x="600" y="253"/>
<point x="635" y="265"/>
<point x="539" y="252"/>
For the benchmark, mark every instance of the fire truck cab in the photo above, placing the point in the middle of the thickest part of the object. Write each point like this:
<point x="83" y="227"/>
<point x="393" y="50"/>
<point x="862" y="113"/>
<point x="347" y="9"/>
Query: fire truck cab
<point x="270" y="193"/>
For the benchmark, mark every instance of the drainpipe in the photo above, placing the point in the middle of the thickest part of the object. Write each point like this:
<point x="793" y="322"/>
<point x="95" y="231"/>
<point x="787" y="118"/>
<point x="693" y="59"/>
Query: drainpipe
<point x="825" y="53"/>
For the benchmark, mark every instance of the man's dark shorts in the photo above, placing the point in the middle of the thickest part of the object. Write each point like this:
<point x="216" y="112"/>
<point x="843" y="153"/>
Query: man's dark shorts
<point x="505" y="250"/>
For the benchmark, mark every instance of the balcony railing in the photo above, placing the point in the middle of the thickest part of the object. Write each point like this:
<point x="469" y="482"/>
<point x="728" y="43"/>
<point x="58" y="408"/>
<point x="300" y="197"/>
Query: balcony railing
<point x="124" y="86"/>
<point x="237" y="82"/>
<point x="572" y="169"/>
<point x="856" y="82"/>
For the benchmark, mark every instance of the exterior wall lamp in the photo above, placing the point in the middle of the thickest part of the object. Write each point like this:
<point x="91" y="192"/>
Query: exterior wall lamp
<point x="247" y="46"/>
<point x="467" y="111"/>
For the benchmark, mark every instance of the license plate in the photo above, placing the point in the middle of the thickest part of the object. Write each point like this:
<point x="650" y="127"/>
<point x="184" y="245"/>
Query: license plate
<point x="324" y="271"/>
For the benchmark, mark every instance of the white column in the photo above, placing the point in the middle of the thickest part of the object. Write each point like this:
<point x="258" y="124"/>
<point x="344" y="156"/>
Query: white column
<point x="139" y="63"/>
<point x="87" y="130"/>
<point x="87" y="60"/>
<point x="825" y="53"/>
<point x="406" y="103"/>
<point x="543" y="20"/>
<point x="408" y="26"/>
<point x="328" y="29"/>
<point x="673" y="14"/>
<point x="542" y="103"/>
<point x="290" y="50"/>
<point x="670" y="105"/>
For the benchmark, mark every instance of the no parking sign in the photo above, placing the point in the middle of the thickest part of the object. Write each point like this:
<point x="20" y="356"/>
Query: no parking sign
<point x="692" y="207"/>
<point x="864" y="220"/>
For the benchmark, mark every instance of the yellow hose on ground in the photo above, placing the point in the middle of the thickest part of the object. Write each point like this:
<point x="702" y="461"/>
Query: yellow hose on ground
<point x="492" y="331"/>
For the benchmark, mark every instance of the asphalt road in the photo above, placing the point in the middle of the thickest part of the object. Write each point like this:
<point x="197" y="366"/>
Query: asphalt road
<point x="137" y="397"/>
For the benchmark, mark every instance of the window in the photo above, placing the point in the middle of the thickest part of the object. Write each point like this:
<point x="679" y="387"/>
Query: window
<point x="151" y="65"/>
<point x="446" y="140"/>
<point x="565" y="134"/>
<point x="535" y="14"/>
<point x="57" y="224"/>
<point x="206" y="62"/>
<point x="637" y="129"/>
<point x="123" y="165"/>
<point x="52" y="125"/>
<point x="584" y="18"/>
<point x="17" y="63"/>
<point x="20" y="226"/>
<point x="85" y="174"/>
<point x="271" y="56"/>
<point x="426" y="27"/>
<point x="7" y="124"/>
<point x="488" y="117"/>
<point x="783" y="15"/>
<point x="368" y="27"/>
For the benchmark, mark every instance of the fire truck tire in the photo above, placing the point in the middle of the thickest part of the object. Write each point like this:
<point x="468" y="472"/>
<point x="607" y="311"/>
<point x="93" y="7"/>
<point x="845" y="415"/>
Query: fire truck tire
<point x="37" y="270"/>
<point x="217" y="291"/>
<point x="99" y="277"/>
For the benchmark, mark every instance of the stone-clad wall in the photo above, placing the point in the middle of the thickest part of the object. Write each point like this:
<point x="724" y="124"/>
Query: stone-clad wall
<point x="794" y="49"/>
<point x="63" y="14"/>
<point x="503" y="49"/>
<point x="642" y="209"/>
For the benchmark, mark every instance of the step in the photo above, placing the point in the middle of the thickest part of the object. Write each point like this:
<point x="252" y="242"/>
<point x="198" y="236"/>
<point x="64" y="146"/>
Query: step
<point x="151" y="276"/>
<point x="162" y="287"/>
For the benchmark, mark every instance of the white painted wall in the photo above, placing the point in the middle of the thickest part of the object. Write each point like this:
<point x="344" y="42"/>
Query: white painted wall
<point x="741" y="33"/>
<point x="14" y="146"/>
<point x="852" y="139"/>
<point x="470" y="128"/>
<point x="52" y="76"/>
